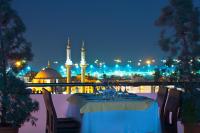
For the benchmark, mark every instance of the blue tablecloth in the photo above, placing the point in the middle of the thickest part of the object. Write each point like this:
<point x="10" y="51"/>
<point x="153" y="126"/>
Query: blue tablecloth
<point x="124" y="121"/>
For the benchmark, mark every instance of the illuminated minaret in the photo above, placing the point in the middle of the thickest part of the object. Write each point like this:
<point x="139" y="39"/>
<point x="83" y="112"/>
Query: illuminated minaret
<point x="83" y="65"/>
<point x="49" y="64"/>
<point x="68" y="64"/>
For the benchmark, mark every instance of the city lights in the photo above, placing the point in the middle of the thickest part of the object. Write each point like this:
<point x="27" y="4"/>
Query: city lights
<point x="116" y="66"/>
<point x="148" y="62"/>
<point x="128" y="66"/>
<point x="96" y="61"/>
<point x="18" y="63"/>
<point x="91" y="66"/>
<point x="55" y="62"/>
<point x="97" y="70"/>
<point x="76" y="65"/>
<point x="118" y="61"/>
<point x="129" y="61"/>
<point x="163" y="61"/>
<point x="28" y="68"/>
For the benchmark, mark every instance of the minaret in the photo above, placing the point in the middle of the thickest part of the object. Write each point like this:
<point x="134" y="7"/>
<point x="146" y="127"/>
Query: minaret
<point x="83" y="65"/>
<point x="49" y="64"/>
<point x="68" y="64"/>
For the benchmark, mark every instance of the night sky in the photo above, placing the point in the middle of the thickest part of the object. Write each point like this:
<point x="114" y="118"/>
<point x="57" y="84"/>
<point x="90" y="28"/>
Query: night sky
<point x="111" y="29"/>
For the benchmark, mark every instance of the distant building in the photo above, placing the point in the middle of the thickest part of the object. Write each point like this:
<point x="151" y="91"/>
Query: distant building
<point x="47" y="75"/>
<point x="88" y="79"/>
<point x="50" y="75"/>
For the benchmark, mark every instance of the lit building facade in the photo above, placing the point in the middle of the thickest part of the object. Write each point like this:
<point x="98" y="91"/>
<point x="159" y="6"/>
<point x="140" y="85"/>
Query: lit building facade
<point x="47" y="75"/>
<point x="68" y="65"/>
<point x="83" y="65"/>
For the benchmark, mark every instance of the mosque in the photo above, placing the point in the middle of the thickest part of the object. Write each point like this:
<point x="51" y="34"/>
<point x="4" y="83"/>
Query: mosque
<point x="50" y="75"/>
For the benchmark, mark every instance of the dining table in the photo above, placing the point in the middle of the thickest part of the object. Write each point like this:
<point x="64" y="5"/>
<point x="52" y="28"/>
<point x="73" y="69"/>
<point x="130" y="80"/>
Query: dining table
<point x="120" y="114"/>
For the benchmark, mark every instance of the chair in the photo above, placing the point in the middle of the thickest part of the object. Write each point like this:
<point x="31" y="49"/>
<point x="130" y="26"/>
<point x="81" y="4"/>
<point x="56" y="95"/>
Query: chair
<point x="161" y="99"/>
<point x="171" y="111"/>
<point x="58" y="125"/>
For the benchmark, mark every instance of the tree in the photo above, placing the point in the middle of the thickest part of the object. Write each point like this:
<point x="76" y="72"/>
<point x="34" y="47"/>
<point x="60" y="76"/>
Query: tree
<point x="157" y="75"/>
<point x="180" y="36"/>
<point x="12" y="28"/>
<point x="13" y="47"/>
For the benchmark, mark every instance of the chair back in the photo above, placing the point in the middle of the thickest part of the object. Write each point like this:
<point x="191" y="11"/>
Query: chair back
<point x="161" y="99"/>
<point x="51" y="113"/>
<point x="171" y="110"/>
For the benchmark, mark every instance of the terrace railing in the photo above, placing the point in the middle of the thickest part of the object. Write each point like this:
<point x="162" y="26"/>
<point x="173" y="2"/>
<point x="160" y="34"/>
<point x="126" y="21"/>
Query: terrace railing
<point x="111" y="84"/>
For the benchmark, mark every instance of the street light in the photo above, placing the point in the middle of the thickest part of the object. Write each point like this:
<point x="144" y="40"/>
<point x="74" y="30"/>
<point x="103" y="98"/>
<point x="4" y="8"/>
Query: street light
<point x="28" y="68"/>
<point x="148" y="62"/>
<point x="116" y="66"/>
<point x="18" y="64"/>
<point x="118" y="61"/>
<point x="129" y="61"/>
<point x="91" y="66"/>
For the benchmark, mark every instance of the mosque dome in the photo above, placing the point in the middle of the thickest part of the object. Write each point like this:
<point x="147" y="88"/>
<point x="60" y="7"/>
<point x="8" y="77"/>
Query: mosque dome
<point x="48" y="73"/>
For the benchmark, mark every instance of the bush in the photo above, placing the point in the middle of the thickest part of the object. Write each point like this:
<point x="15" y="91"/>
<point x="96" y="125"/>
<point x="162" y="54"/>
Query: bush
<point x="16" y="102"/>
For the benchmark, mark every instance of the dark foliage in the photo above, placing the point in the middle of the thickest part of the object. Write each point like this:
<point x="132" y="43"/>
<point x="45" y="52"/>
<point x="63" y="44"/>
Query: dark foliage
<point x="157" y="75"/>
<point x="16" y="47"/>
<point x="180" y="38"/>
<point x="15" y="102"/>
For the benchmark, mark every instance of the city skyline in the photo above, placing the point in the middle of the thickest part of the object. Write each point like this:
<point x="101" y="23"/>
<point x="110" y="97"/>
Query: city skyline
<point x="125" y="28"/>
